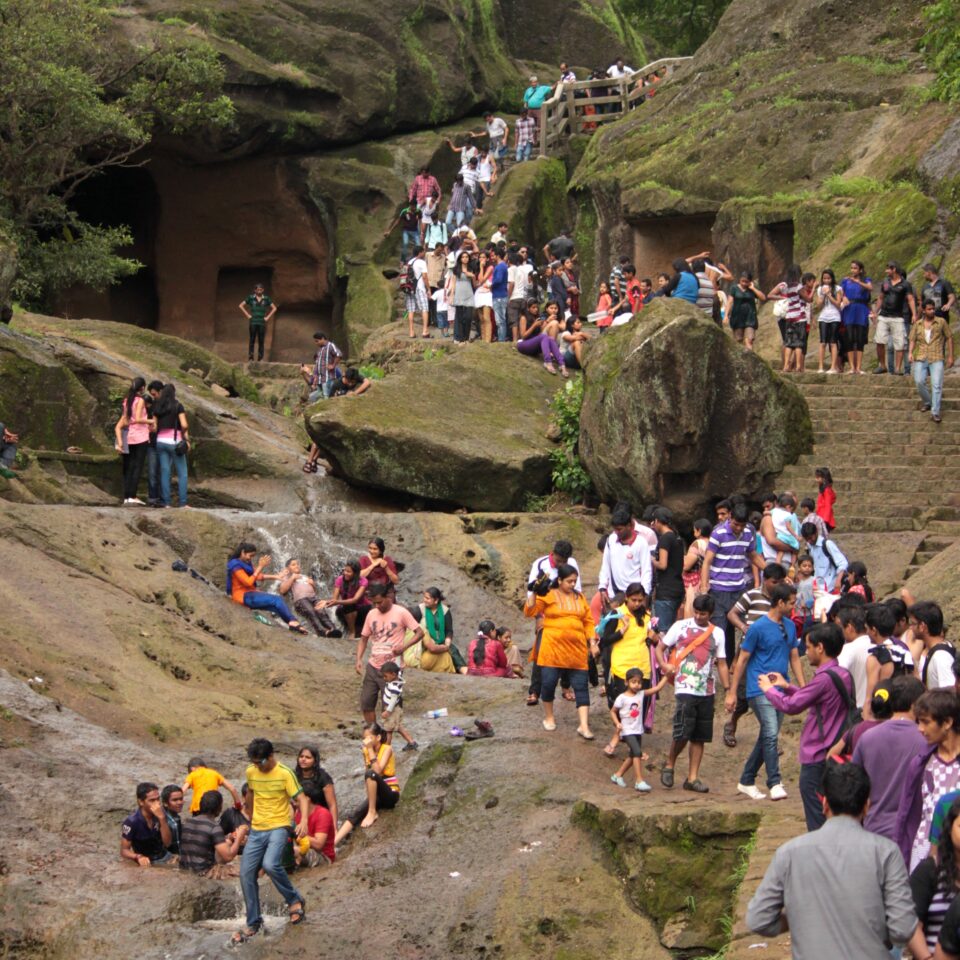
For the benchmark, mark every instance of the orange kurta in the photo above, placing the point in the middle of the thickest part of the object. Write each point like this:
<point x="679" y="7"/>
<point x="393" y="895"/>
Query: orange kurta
<point x="242" y="583"/>
<point x="567" y="627"/>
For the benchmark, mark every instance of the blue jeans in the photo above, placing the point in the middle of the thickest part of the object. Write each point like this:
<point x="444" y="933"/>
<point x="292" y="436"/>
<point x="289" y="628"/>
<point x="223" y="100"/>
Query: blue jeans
<point x="153" y="475"/>
<point x="167" y="457"/>
<point x="579" y="682"/>
<point x="411" y="237"/>
<point x="665" y="612"/>
<point x="920" y="370"/>
<point x="810" y="776"/>
<point x="256" y="600"/>
<point x="500" y="312"/>
<point x="524" y="152"/>
<point x="452" y="215"/>
<point x="765" y="749"/>
<point x="264" y="849"/>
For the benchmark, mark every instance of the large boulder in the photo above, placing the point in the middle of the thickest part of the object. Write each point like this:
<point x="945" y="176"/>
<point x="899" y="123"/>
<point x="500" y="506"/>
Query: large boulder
<point x="675" y="412"/>
<point x="467" y="428"/>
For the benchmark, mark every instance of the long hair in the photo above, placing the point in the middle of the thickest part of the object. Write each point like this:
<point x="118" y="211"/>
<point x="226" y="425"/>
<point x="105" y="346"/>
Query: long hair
<point x="167" y="401"/>
<point x="315" y="753"/>
<point x="135" y="387"/>
<point x="484" y="630"/>
<point x="947" y="853"/>
<point x="833" y="279"/>
<point x="824" y="476"/>
<point x="793" y="275"/>
<point x="857" y="575"/>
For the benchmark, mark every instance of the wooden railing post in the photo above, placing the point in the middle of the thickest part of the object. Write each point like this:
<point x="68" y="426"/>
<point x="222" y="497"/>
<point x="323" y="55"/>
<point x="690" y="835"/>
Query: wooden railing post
<point x="543" y="129"/>
<point x="572" y="110"/>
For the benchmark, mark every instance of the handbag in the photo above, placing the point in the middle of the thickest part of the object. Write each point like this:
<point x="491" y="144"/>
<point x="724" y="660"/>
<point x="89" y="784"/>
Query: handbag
<point x="181" y="448"/>
<point x="780" y="308"/>
<point x="677" y="656"/>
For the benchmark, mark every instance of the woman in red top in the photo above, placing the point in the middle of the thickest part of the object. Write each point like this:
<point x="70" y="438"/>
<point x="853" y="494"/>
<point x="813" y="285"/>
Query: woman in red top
<point x="486" y="656"/>
<point x="377" y="567"/>
<point x="826" y="498"/>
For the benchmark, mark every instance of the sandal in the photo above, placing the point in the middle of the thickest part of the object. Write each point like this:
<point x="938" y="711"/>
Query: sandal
<point x="247" y="933"/>
<point x="568" y="694"/>
<point x="296" y="916"/>
<point x="532" y="700"/>
<point x="297" y="628"/>
<point x="729" y="739"/>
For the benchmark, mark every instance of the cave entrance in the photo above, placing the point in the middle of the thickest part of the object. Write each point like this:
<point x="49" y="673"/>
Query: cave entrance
<point x="776" y="252"/>
<point x="230" y="329"/>
<point x="120" y="196"/>
<point x="658" y="241"/>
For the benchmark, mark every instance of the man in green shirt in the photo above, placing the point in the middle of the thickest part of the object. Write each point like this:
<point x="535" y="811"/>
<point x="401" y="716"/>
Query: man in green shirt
<point x="259" y="310"/>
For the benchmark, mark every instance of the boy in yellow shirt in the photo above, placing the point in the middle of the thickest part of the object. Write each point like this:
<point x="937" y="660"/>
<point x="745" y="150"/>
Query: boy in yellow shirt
<point x="272" y="787"/>
<point x="201" y="778"/>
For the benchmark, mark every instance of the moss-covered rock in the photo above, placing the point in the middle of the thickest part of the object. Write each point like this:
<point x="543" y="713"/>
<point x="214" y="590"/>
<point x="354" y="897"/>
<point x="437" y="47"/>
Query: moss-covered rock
<point x="675" y="412"/>
<point x="682" y="872"/>
<point x="465" y="428"/>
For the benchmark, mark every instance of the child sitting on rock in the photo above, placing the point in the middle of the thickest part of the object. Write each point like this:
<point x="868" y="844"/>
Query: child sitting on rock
<point x="306" y="603"/>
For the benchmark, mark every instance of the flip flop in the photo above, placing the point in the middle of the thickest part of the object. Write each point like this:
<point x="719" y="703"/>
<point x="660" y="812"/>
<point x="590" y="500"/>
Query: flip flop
<point x="569" y="695"/>
<point x="532" y="700"/>
<point x="585" y="736"/>
<point x="729" y="740"/>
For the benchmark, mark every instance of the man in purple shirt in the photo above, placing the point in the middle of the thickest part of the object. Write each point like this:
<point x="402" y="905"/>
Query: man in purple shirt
<point x="885" y="751"/>
<point x="828" y="696"/>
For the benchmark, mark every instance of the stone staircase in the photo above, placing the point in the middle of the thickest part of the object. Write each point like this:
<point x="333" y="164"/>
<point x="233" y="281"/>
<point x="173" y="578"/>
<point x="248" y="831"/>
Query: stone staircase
<point x="894" y="469"/>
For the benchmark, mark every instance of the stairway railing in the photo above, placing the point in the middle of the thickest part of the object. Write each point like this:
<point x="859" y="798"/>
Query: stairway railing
<point x="565" y="113"/>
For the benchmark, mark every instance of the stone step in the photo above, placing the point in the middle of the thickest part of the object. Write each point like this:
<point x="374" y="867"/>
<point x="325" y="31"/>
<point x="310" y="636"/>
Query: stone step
<point x="870" y="524"/>
<point x="889" y="387"/>
<point x="938" y="544"/>
<point x="882" y="420"/>
<point x="925" y="556"/>
<point x="803" y="484"/>
<point x="944" y="526"/>
<point x="911" y="570"/>
<point x="865" y="460"/>
<point x="847" y="446"/>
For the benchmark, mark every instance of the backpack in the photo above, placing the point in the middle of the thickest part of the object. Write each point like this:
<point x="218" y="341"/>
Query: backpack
<point x="926" y="663"/>
<point x="853" y="716"/>
<point x="408" y="279"/>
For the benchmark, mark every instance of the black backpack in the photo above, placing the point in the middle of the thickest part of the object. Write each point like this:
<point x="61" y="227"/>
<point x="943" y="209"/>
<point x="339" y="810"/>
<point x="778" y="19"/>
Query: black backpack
<point x="408" y="281"/>
<point x="949" y="647"/>
<point x="853" y="716"/>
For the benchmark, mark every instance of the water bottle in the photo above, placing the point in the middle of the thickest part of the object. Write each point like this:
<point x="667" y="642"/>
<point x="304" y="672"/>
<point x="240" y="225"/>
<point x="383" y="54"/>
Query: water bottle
<point x="433" y="714"/>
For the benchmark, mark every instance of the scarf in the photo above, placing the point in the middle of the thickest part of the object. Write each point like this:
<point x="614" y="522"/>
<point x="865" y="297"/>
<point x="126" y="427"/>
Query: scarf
<point x="236" y="565"/>
<point x="434" y="620"/>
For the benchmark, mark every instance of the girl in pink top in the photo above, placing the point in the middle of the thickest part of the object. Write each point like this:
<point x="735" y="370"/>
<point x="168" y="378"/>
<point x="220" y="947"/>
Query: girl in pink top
<point x="137" y="423"/>
<point x="486" y="656"/>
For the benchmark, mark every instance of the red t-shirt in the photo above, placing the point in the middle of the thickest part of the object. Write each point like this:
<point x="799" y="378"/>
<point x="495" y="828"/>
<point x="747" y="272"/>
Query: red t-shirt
<point x="320" y="821"/>
<point x="635" y="295"/>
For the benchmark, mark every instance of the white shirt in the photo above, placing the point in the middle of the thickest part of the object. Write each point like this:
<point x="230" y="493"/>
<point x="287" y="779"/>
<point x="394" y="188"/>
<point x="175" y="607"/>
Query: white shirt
<point x="419" y="267"/>
<point x="624" y="564"/>
<point x="498" y="237"/>
<point x="497" y="127"/>
<point x="853" y="659"/>
<point x="940" y="673"/>
<point x="470" y="176"/>
<point x="485" y="170"/>
<point x="521" y="281"/>
<point x="545" y="565"/>
<point x="615" y="71"/>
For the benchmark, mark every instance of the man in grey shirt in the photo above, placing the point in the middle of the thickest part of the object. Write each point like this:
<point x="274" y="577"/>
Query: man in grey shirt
<point x="840" y="890"/>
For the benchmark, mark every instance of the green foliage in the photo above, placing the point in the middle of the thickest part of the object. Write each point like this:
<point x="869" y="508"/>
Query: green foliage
<point x="568" y="473"/>
<point x="878" y="66"/>
<point x="76" y="99"/>
<point x="839" y="186"/>
<point x="372" y="372"/>
<point x="681" y="27"/>
<point x="941" y="44"/>
<point x="535" y="504"/>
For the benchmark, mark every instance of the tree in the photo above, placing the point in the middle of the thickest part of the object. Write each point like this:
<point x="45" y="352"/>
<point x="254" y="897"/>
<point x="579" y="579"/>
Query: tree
<point x="680" y="28"/>
<point x="941" y="44"/>
<point x="77" y="97"/>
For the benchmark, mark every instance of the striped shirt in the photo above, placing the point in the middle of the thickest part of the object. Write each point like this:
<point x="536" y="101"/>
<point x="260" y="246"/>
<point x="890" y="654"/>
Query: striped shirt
<point x="730" y="561"/>
<point x="526" y="131"/>
<point x="752" y="606"/>
<point x="796" y="305"/>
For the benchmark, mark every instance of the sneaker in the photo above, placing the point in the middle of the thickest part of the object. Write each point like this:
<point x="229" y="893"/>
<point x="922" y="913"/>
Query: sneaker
<point x="880" y="370"/>
<point x="619" y="781"/>
<point x="136" y="501"/>
<point x="641" y="786"/>
<point x="666" y="777"/>
<point x="413" y="745"/>
<point x="697" y="786"/>
<point x="777" y="792"/>
<point x="751" y="791"/>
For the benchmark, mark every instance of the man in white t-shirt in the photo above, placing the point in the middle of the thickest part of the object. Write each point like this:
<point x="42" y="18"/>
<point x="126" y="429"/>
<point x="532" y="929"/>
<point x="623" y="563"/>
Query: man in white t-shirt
<point x="626" y="555"/>
<point x="418" y="300"/>
<point x="499" y="134"/>
<point x="698" y="651"/>
<point x="517" y="279"/>
<point x="856" y="646"/>
<point x="620" y="69"/>
<point x="937" y="659"/>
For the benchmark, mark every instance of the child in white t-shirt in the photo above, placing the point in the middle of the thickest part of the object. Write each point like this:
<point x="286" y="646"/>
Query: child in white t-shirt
<point x="627" y="714"/>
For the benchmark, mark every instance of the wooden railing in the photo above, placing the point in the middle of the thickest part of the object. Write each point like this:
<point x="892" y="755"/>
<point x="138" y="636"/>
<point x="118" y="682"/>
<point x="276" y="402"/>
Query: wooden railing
<point x="565" y="113"/>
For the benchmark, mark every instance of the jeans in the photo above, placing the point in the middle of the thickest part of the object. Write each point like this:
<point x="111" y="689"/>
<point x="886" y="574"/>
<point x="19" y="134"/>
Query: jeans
<point x="167" y="458"/>
<point x="665" y="612"/>
<point x="461" y="323"/>
<point x="920" y="370"/>
<point x="497" y="147"/>
<point x="455" y="214"/>
<point x="153" y="475"/>
<point x="265" y="849"/>
<point x="8" y="454"/>
<point x="524" y="151"/>
<point x="257" y="600"/>
<point x="132" y="468"/>
<point x="725" y="600"/>
<point x="500" y="312"/>
<point x="543" y="344"/>
<point x="765" y="749"/>
<point x="408" y="242"/>
<point x="579" y="681"/>
<point x="257" y="332"/>
<point x="810" y="776"/>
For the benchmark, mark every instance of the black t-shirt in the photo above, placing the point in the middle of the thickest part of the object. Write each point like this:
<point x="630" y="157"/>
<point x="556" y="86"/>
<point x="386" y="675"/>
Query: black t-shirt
<point x="232" y="818"/>
<point x="321" y="779"/>
<point x="939" y="292"/>
<point x="410" y="220"/>
<point x="905" y="311"/>
<point x="170" y="420"/>
<point x="340" y="388"/>
<point x="561" y="247"/>
<point x="894" y="296"/>
<point x="145" y="840"/>
<point x="670" y="581"/>
<point x="950" y="931"/>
